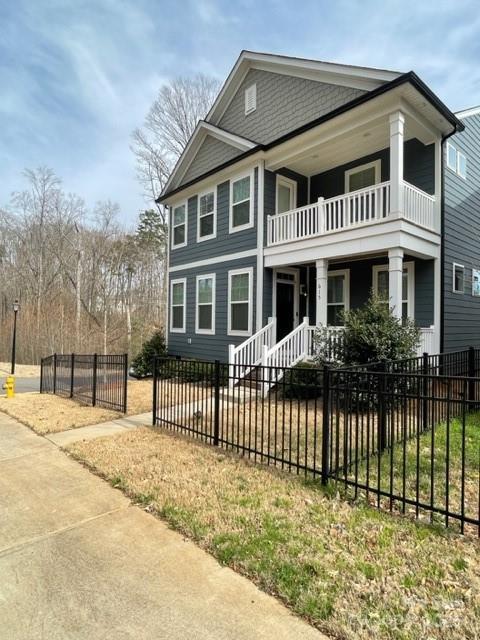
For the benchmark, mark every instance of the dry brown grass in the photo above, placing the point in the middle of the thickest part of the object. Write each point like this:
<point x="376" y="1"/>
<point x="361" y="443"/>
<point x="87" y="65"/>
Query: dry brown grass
<point x="21" y="370"/>
<point x="352" y="571"/>
<point x="139" y="396"/>
<point x="46" y="413"/>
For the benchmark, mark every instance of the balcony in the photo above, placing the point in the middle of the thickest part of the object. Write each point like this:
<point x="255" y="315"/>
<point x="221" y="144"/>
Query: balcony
<point x="358" y="209"/>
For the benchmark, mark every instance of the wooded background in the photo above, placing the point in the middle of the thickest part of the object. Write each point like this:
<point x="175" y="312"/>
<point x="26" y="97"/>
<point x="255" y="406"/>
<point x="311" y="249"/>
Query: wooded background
<point x="85" y="283"/>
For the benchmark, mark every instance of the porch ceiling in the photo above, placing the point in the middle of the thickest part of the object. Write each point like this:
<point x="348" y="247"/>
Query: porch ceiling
<point x="358" y="133"/>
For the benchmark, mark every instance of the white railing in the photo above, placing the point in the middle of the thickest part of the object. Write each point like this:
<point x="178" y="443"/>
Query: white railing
<point x="249" y="353"/>
<point x="350" y="210"/>
<point x="427" y="341"/>
<point x="291" y="350"/>
<point x="419" y="207"/>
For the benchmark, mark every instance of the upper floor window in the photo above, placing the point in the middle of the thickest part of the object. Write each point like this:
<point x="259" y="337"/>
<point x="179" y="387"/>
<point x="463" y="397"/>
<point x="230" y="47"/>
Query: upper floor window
<point x="456" y="160"/>
<point x="179" y="226"/>
<point x="241" y="199"/>
<point x="178" y="292"/>
<point x="206" y="216"/>
<point x="362" y="176"/>
<point x="250" y="99"/>
<point x="458" y="278"/>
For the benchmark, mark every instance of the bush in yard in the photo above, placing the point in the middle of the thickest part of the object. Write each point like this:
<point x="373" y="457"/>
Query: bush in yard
<point x="303" y="381"/>
<point x="196" y="371"/>
<point x="142" y="365"/>
<point x="371" y="334"/>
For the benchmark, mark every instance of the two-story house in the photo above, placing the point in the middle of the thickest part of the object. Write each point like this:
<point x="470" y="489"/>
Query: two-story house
<point x="308" y="185"/>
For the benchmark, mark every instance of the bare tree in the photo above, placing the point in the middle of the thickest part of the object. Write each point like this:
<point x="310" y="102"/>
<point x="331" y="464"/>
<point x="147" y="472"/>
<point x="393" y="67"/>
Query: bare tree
<point x="170" y="122"/>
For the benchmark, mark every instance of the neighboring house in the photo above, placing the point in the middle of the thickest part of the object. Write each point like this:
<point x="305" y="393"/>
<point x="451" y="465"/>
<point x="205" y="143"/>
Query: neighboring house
<point x="309" y="184"/>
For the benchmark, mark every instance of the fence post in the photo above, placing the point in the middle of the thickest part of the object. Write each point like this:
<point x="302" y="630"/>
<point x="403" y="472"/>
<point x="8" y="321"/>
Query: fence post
<point x="471" y="374"/>
<point x="154" y="408"/>
<point x="216" y="398"/>
<point x="72" y="373"/>
<point x="325" y="424"/>
<point x="425" y="392"/>
<point x="382" y="415"/>
<point x="41" y="375"/>
<point x="94" y="390"/>
<point x="54" y="373"/>
<point x="125" y="382"/>
<point x="231" y="365"/>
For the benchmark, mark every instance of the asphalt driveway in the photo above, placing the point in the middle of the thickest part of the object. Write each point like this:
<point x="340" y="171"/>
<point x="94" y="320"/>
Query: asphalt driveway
<point x="77" y="560"/>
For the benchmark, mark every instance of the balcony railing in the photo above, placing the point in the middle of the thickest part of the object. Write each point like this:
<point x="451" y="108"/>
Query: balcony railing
<point x="350" y="210"/>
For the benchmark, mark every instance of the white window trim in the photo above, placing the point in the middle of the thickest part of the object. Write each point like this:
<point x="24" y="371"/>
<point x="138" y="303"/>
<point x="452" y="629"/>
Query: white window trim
<point x="173" y="282"/>
<point x="253" y="90"/>
<point x="454" y="167"/>
<point x="177" y="206"/>
<point x="214" y="212"/>
<point x="249" y="224"/>
<point x="460" y="266"/>
<point x="410" y="269"/>
<point x="376" y="164"/>
<point x="288" y="182"/>
<point x="459" y="153"/>
<point x="346" y="290"/>
<point x="235" y="272"/>
<point x="210" y="332"/>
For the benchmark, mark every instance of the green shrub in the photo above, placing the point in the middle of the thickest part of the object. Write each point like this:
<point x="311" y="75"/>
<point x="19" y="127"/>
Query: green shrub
<point x="371" y="334"/>
<point x="142" y="365"/>
<point x="302" y="381"/>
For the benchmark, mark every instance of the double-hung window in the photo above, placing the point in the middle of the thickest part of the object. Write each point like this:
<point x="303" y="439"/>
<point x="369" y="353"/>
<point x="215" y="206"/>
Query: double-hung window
<point x="241" y="203"/>
<point x="205" y="311"/>
<point x="240" y="302"/>
<point x="206" y="216"/>
<point x="458" y="278"/>
<point x="178" y="292"/>
<point x="337" y="297"/>
<point x="179" y="226"/>
<point x="381" y="287"/>
<point x="365" y="175"/>
<point x="456" y="161"/>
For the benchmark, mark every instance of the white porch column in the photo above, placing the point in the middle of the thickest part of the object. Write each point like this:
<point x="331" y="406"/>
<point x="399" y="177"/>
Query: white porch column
<point x="395" y="277"/>
<point x="438" y="186"/>
<point x="397" y="125"/>
<point x="322" y="289"/>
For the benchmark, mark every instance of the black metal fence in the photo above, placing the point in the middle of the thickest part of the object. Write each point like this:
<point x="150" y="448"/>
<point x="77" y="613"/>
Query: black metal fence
<point x="93" y="379"/>
<point x="406" y="440"/>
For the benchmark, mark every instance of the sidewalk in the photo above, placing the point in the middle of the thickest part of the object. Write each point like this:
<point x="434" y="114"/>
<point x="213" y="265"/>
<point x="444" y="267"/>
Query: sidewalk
<point x="78" y="561"/>
<point x="110" y="428"/>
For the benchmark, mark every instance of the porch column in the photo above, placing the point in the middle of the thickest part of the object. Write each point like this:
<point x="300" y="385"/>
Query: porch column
<point x="395" y="277"/>
<point x="322" y="288"/>
<point x="397" y="124"/>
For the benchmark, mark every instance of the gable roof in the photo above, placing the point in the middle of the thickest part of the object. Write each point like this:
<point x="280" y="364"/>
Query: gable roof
<point x="472" y="111"/>
<point x="365" y="78"/>
<point x="201" y="131"/>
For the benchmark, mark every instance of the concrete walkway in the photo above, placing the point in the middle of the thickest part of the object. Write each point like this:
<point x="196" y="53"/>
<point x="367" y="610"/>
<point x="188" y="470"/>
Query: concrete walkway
<point x="78" y="561"/>
<point x="110" y="428"/>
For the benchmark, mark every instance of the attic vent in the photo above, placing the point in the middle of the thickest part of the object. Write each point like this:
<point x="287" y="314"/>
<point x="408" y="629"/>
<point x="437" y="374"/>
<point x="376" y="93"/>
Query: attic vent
<point x="250" y="99"/>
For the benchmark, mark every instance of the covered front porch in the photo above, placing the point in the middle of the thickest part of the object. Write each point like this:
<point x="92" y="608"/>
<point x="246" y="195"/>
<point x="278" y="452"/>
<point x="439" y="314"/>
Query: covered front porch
<point x="320" y="291"/>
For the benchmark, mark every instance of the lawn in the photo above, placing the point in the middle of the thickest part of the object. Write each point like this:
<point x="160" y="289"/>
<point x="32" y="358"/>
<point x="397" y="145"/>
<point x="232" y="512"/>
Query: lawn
<point x="352" y="571"/>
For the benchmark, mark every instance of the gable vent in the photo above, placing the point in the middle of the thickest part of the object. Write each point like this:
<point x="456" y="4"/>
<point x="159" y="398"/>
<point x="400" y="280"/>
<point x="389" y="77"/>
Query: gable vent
<point x="250" y="99"/>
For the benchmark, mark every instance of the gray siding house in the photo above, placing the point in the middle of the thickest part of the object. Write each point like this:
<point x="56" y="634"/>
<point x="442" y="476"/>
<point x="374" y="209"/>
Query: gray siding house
<point x="308" y="185"/>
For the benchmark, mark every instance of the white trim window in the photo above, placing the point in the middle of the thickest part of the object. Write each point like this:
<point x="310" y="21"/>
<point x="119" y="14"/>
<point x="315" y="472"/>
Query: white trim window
<point x="179" y="226"/>
<point x="286" y="194"/>
<point x="207" y="216"/>
<point x="250" y="99"/>
<point x="241" y="203"/>
<point x="338" y="296"/>
<point x="178" y="299"/>
<point x="365" y="175"/>
<point x="451" y="157"/>
<point x="205" y="304"/>
<point x="458" y="278"/>
<point x="240" y="296"/>
<point x="381" y="286"/>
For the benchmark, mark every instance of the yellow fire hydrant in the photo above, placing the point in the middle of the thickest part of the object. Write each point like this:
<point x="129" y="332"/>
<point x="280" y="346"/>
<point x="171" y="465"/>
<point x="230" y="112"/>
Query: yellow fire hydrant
<point x="9" y="386"/>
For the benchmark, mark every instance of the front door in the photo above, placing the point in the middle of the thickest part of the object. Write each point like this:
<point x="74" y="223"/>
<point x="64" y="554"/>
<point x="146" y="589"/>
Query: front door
<point x="286" y="302"/>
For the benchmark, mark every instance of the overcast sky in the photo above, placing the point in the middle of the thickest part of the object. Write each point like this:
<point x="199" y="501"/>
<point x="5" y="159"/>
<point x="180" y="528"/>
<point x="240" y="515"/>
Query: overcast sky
<point x="78" y="76"/>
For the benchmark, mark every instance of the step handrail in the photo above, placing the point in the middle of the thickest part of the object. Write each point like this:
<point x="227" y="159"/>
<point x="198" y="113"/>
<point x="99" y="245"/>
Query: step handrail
<point x="243" y="357"/>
